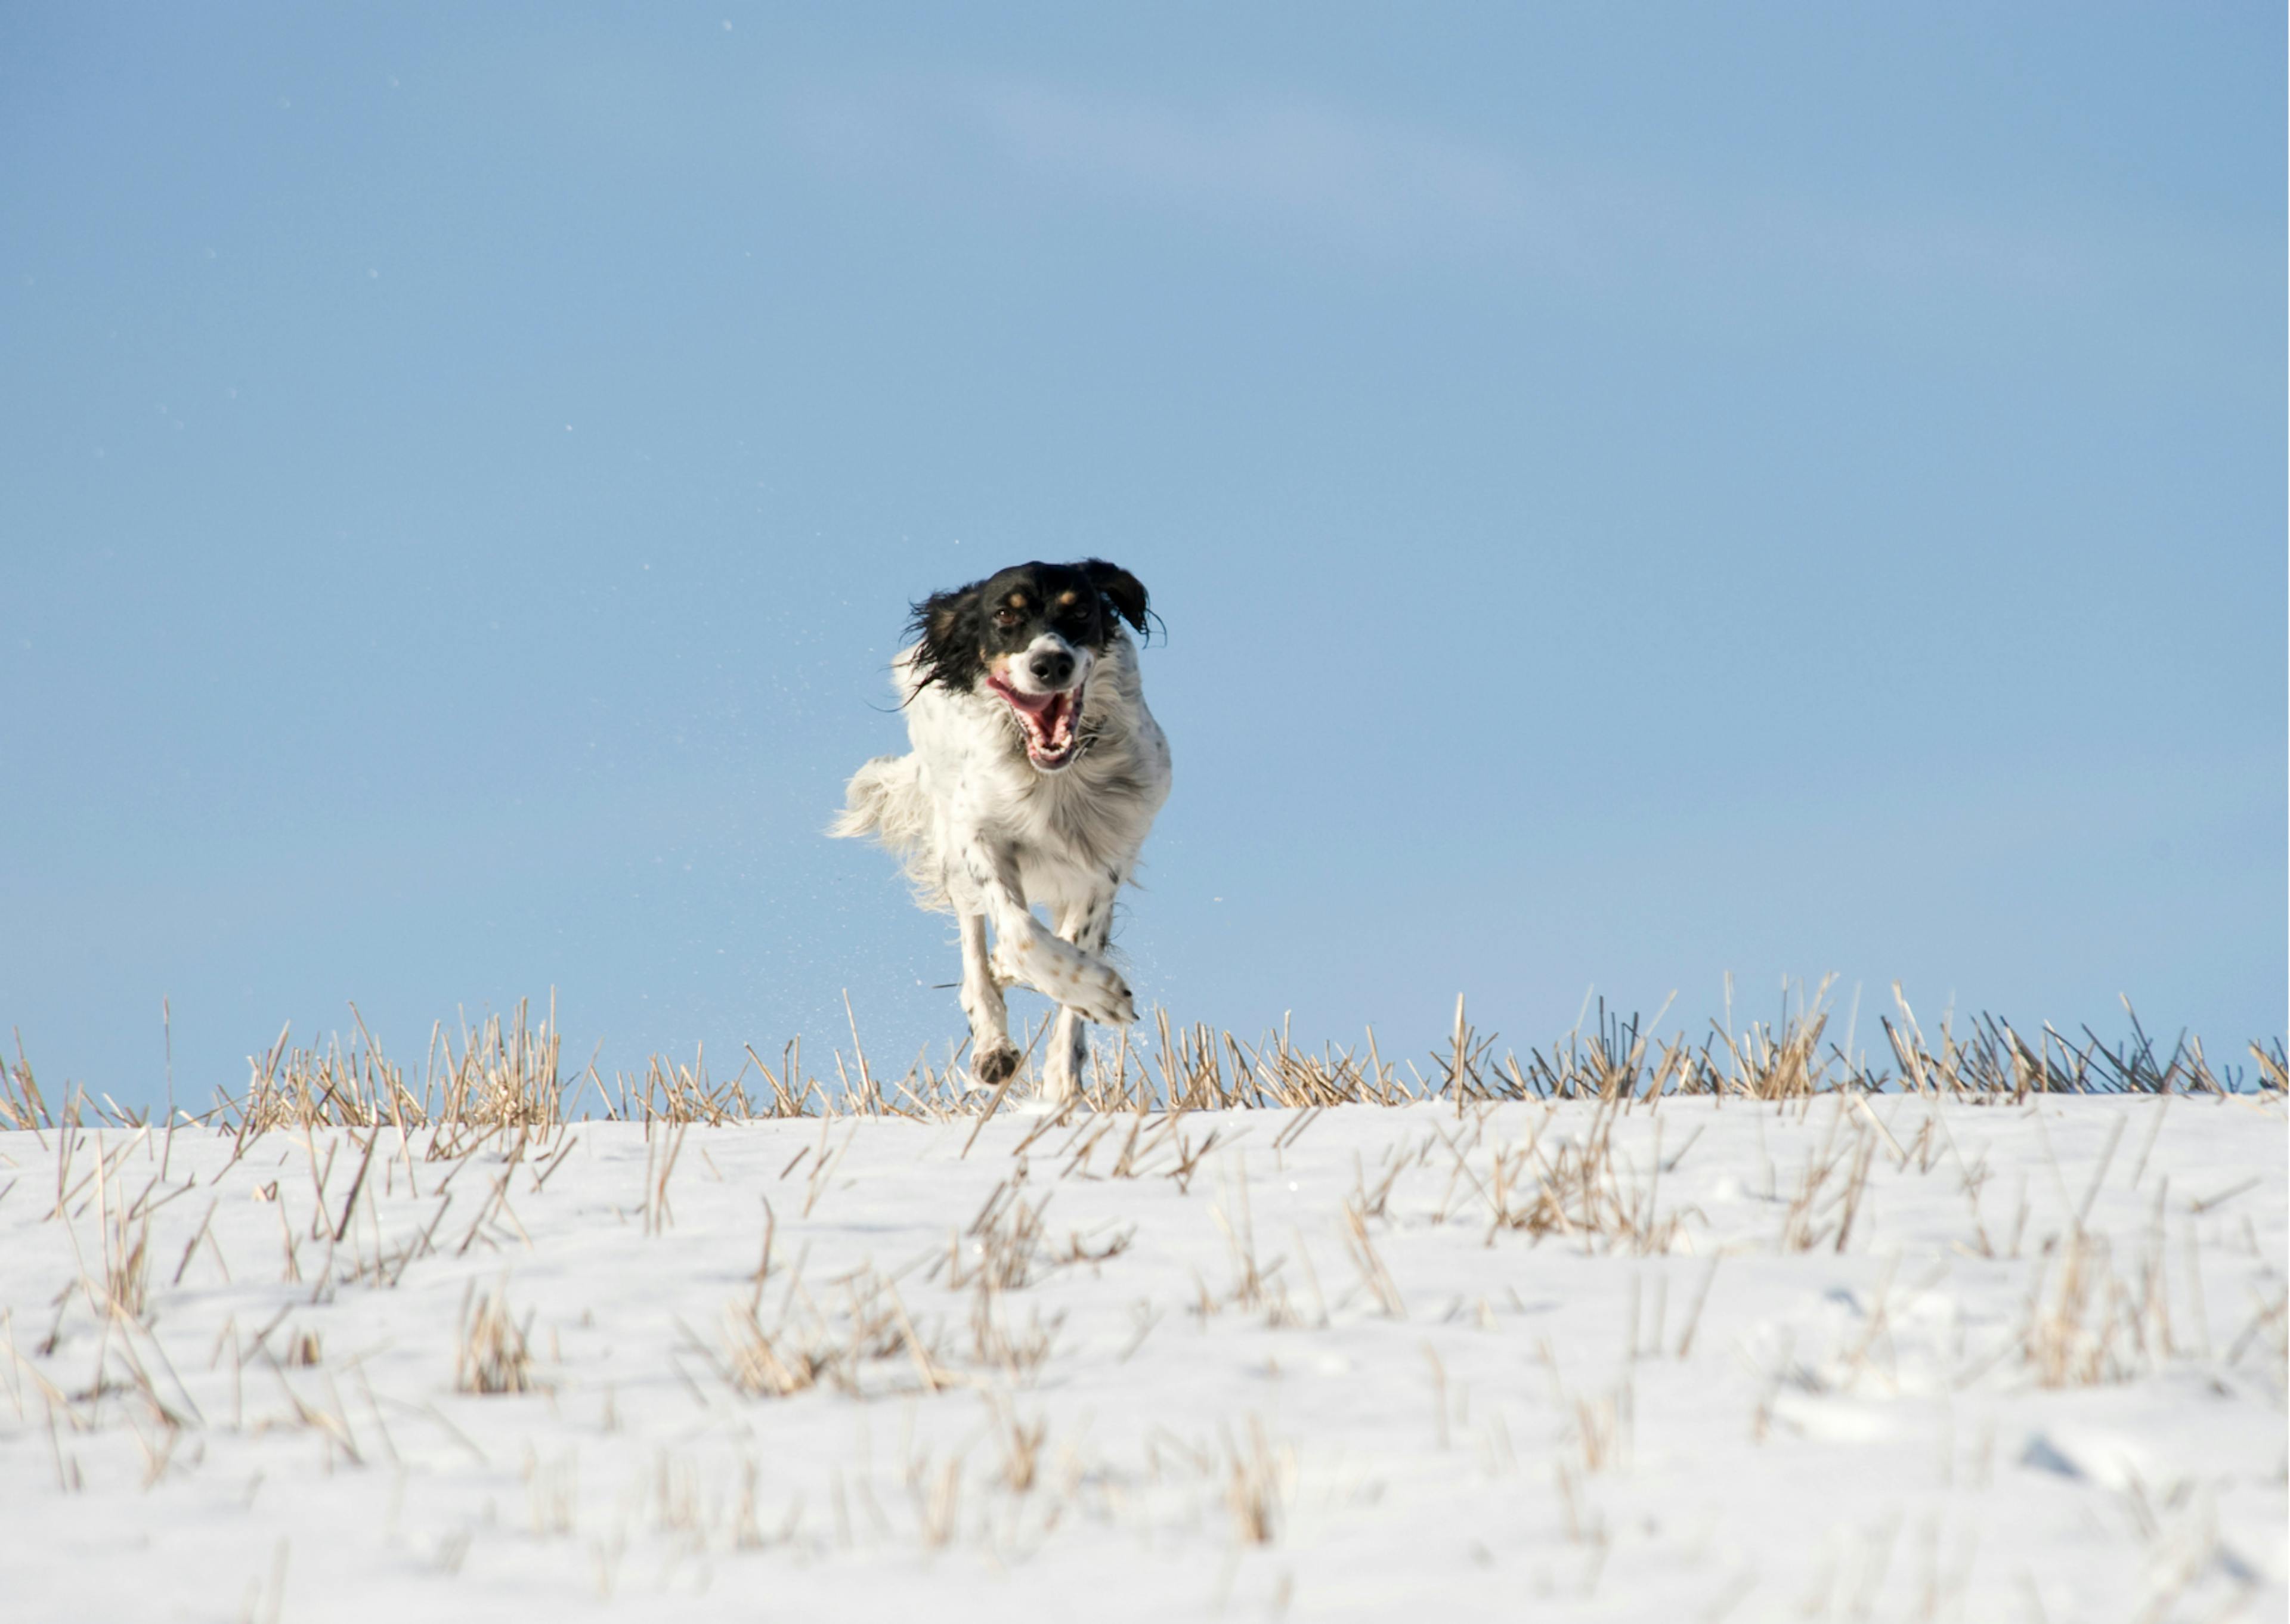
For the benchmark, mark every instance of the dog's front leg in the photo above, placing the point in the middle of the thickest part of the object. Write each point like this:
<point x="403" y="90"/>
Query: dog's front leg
<point x="1087" y="926"/>
<point x="992" y="1055"/>
<point x="1026" y="953"/>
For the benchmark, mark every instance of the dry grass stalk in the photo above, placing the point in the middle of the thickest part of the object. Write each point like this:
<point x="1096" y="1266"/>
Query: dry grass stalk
<point x="126" y="1253"/>
<point x="493" y="1352"/>
<point x="1463" y="1064"/>
<point x="1017" y="1353"/>
<point x="2069" y="1339"/>
<point x="762" y="1366"/>
<point x="1017" y="1445"/>
<point x="1611" y="1065"/>
<point x="1585" y="1191"/>
<point x="1289" y="1077"/>
<point x="1585" y="1524"/>
<point x="937" y="1503"/>
<point x="2185" y="1546"/>
<point x="747" y="1524"/>
<point x="553" y="1493"/>
<point x="877" y="1324"/>
<point x="1783" y="1063"/>
<point x="1372" y="1273"/>
<point x="1371" y="1203"/>
<point x="502" y="1074"/>
<point x="1603" y="1428"/>
<point x="1830" y="1189"/>
<point x="1005" y="1242"/>
<point x="1188" y="1160"/>
<point x="1257" y="1480"/>
<point x="661" y="1151"/>
<point x="804" y="1349"/>
<point x="678" y="1508"/>
<point x="1077" y="1249"/>
<point x="1256" y="1288"/>
<point x="1199" y="1068"/>
<point x="1995" y="1061"/>
<point x="1192" y="1069"/>
<point x="2087" y="1325"/>
<point x="671" y="1091"/>
<point x="21" y="1105"/>
<point x="505" y="1074"/>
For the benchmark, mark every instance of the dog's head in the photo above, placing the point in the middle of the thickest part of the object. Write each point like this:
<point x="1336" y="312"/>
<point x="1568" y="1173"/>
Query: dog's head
<point x="1028" y="635"/>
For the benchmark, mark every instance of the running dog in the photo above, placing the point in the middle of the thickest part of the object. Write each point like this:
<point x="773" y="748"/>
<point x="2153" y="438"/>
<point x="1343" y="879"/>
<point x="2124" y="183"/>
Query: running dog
<point x="1035" y="775"/>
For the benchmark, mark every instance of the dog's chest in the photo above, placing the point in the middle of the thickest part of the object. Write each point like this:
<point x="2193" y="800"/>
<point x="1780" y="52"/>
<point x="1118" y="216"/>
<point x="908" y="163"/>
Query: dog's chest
<point x="1092" y="815"/>
<point x="1081" y="827"/>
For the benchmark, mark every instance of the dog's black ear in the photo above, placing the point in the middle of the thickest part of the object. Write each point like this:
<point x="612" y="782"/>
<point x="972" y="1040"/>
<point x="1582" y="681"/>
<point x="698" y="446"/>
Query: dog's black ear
<point x="1122" y="590"/>
<point x="946" y="630"/>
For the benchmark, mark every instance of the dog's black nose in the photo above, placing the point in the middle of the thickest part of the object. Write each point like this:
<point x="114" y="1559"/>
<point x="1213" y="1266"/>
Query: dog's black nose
<point x="1050" y="668"/>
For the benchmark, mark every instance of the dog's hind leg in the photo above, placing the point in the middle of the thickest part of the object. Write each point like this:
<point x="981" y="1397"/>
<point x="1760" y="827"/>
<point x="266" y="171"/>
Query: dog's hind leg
<point x="1087" y="926"/>
<point x="992" y="1055"/>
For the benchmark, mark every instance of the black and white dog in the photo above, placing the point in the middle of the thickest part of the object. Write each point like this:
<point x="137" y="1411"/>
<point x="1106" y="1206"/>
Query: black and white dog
<point x="1036" y="773"/>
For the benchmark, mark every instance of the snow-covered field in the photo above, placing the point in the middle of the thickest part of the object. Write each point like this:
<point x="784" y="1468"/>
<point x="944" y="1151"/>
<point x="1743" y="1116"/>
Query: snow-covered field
<point x="1872" y="1358"/>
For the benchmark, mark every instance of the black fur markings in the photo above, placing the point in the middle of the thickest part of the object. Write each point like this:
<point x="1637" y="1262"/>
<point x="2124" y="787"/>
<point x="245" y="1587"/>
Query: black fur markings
<point x="956" y="632"/>
<point x="1121" y="590"/>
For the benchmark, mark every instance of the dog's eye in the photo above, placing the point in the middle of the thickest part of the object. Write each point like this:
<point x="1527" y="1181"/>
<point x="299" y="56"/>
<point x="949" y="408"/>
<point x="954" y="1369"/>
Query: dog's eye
<point x="1005" y="618"/>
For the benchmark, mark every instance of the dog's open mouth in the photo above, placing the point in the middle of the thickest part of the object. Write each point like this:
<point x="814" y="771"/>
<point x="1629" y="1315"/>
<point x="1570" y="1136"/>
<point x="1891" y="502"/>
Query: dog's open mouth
<point x="1050" y="721"/>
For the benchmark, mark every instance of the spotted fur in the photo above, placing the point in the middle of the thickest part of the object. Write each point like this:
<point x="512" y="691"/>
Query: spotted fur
<point x="995" y="811"/>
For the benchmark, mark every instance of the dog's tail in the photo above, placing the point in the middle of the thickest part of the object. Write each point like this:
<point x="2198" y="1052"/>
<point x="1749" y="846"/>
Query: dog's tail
<point x="886" y="799"/>
<point x="879" y="800"/>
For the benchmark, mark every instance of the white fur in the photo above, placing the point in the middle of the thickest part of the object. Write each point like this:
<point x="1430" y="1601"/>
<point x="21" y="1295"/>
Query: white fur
<point x="985" y="834"/>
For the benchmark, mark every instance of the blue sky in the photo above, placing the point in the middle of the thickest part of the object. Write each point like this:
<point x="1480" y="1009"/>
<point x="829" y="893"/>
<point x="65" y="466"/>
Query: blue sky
<point x="1636" y="495"/>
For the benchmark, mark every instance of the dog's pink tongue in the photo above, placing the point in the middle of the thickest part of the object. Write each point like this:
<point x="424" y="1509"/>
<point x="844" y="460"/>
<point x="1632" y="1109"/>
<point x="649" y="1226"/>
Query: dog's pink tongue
<point x="1051" y="715"/>
<point x="1056" y="719"/>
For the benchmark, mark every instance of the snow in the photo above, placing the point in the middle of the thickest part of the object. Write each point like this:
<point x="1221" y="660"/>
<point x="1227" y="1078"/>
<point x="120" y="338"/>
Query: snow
<point x="1285" y="1364"/>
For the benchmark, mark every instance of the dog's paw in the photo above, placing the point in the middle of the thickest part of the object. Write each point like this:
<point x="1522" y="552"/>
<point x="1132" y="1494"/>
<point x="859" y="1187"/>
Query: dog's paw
<point x="991" y="1065"/>
<point x="1083" y="982"/>
<point x="1104" y="997"/>
<point x="1006" y="964"/>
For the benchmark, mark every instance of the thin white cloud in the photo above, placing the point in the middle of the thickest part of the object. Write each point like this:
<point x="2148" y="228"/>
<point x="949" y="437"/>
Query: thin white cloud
<point x="1284" y="162"/>
<point x="1282" y="157"/>
<point x="1323" y="175"/>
